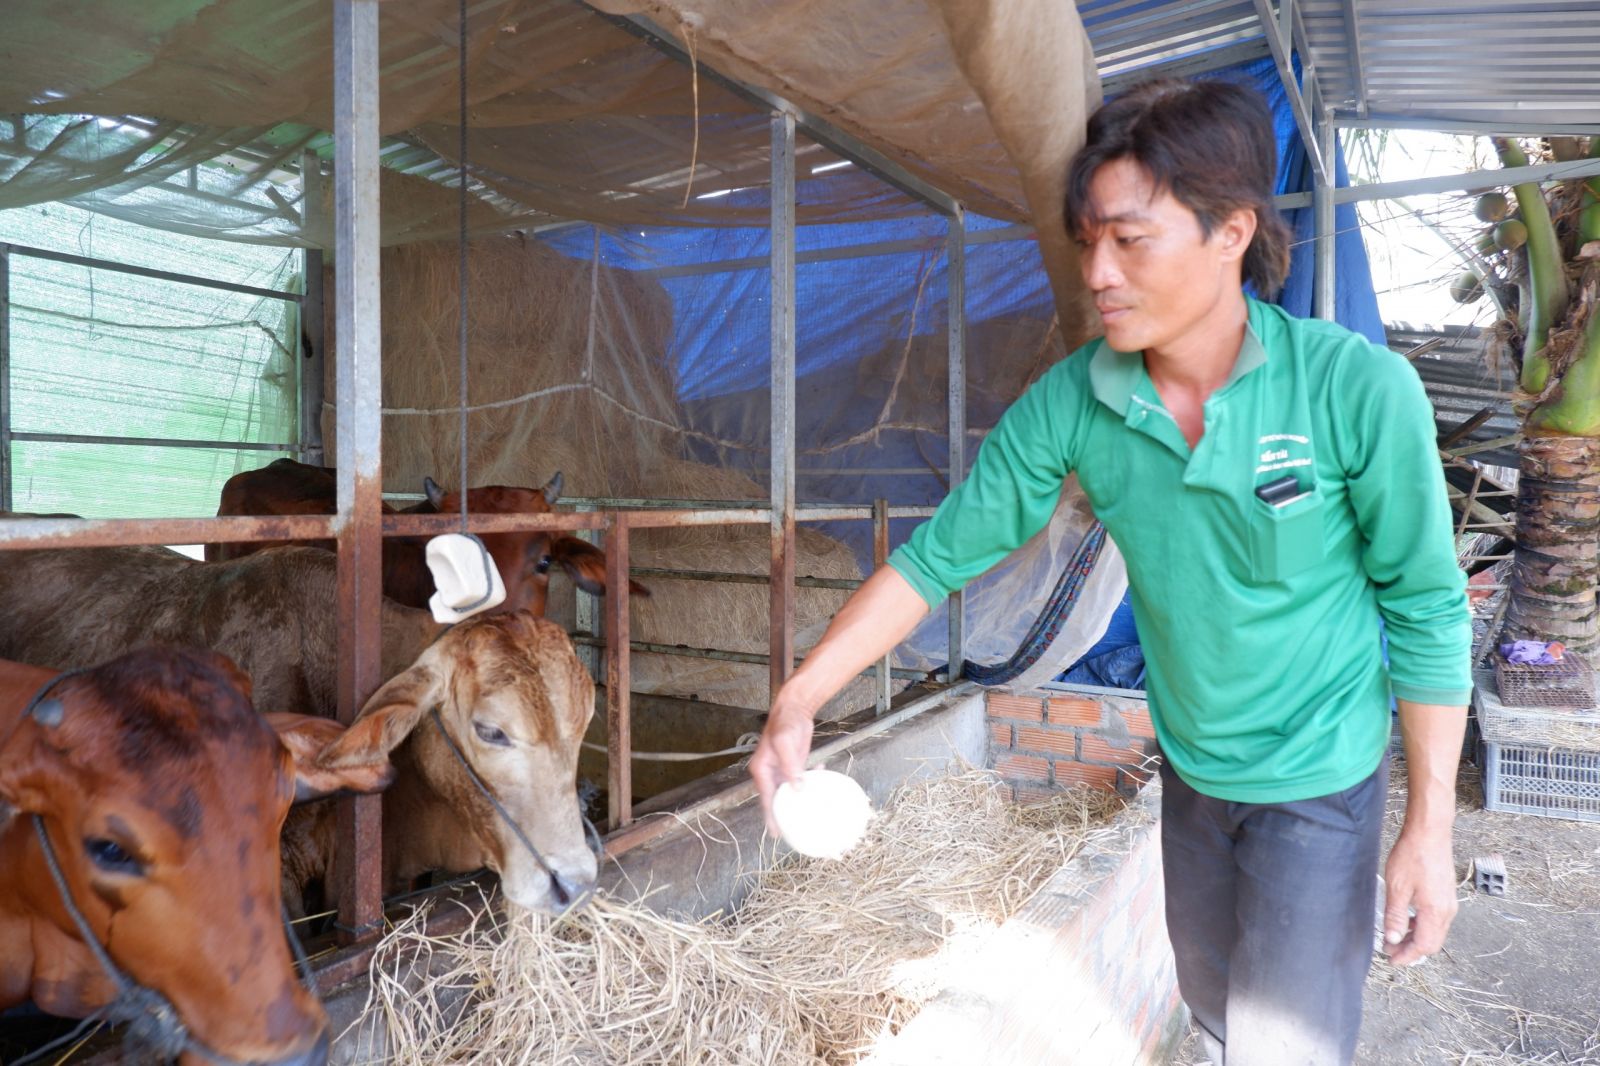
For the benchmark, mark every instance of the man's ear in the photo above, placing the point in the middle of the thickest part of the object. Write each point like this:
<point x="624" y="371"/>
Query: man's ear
<point x="307" y="737"/>
<point x="387" y="719"/>
<point x="1234" y="234"/>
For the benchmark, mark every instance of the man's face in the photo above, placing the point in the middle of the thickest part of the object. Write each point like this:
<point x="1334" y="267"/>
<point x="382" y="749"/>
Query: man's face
<point x="1154" y="275"/>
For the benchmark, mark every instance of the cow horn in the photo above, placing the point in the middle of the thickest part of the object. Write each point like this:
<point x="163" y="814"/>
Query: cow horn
<point x="49" y="713"/>
<point x="434" y="493"/>
<point x="552" y="488"/>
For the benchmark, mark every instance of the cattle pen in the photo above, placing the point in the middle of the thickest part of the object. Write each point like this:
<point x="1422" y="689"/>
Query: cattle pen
<point x="757" y="291"/>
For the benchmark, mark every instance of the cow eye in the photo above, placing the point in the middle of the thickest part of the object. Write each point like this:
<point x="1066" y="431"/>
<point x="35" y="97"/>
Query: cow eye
<point x="543" y="565"/>
<point x="109" y="856"/>
<point x="491" y="735"/>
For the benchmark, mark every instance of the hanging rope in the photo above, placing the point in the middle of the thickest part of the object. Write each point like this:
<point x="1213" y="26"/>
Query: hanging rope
<point x="461" y="298"/>
<point x="1055" y="614"/>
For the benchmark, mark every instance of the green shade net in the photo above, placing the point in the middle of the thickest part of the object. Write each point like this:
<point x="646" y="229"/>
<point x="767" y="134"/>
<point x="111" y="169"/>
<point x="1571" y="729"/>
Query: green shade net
<point x="98" y="352"/>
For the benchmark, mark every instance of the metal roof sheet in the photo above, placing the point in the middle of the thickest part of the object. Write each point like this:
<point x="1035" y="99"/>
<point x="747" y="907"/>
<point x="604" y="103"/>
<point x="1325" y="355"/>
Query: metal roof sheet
<point x="1459" y="65"/>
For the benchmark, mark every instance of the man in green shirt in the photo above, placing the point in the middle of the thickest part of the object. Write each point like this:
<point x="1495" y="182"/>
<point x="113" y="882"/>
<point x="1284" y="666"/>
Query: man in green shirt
<point x="1274" y="488"/>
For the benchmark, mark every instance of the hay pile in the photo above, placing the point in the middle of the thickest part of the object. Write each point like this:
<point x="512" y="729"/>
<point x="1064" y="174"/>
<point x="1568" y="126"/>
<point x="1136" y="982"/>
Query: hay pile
<point x="822" y="959"/>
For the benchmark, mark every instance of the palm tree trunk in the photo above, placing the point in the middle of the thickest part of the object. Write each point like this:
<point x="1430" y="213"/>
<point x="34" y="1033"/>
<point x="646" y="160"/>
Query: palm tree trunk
<point x="1558" y="534"/>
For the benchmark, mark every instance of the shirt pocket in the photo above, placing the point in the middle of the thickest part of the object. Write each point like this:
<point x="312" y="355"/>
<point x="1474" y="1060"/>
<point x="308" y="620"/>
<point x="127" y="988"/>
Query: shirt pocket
<point x="1286" y="540"/>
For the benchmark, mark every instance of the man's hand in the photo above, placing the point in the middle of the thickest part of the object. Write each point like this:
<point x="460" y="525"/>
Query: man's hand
<point x="1420" y="877"/>
<point x="781" y="755"/>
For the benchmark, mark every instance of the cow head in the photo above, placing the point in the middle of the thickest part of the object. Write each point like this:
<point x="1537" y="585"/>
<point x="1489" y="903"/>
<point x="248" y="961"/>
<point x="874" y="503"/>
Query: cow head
<point x="515" y="700"/>
<point x="525" y="559"/>
<point x="162" y="793"/>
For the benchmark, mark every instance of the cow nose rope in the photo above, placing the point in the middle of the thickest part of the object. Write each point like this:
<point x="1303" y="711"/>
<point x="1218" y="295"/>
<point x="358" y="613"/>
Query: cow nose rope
<point x="155" y="1031"/>
<point x="461" y="297"/>
<point x="505" y="816"/>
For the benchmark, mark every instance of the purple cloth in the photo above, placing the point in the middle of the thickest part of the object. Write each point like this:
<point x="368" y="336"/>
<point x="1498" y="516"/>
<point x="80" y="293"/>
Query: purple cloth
<point x="1529" y="652"/>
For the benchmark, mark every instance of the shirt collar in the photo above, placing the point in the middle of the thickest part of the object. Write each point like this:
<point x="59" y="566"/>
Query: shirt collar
<point x="1115" y="376"/>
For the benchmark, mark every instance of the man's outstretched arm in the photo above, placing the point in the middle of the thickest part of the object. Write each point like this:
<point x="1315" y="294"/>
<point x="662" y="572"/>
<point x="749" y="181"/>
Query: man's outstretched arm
<point x="875" y="618"/>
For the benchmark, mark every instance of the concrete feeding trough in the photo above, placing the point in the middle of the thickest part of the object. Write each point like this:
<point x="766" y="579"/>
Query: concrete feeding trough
<point x="1081" y="973"/>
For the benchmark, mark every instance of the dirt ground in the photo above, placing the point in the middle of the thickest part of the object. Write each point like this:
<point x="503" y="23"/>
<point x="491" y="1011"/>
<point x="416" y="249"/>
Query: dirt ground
<point x="1519" y="978"/>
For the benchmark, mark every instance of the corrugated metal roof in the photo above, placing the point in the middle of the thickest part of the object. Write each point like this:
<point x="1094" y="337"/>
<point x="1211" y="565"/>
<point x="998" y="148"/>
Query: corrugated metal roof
<point x="1463" y="64"/>
<point x="1461" y="381"/>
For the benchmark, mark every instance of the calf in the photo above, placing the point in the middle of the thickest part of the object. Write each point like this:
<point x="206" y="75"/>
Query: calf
<point x="514" y="700"/>
<point x="286" y="487"/>
<point x="510" y="689"/>
<point x="161" y="792"/>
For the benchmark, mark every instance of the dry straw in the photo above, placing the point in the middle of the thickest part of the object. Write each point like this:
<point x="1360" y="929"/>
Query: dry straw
<point x="821" y="960"/>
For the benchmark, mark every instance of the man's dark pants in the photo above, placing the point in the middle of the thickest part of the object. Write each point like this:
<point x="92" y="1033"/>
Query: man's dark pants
<point x="1270" y="909"/>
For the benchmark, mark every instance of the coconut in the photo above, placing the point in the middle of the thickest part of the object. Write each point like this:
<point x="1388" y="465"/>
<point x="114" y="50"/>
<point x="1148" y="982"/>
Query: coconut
<point x="1510" y="235"/>
<point x="1467" y="288"/>
<point x="1491" y="207"/>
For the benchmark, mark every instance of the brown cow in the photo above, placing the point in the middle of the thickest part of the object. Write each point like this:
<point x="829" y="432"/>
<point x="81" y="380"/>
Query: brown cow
<point x="516" y="700"/>
<point x="286" y="487"/>
<point x="274" y="614"/>
<point x="162" y="793"/>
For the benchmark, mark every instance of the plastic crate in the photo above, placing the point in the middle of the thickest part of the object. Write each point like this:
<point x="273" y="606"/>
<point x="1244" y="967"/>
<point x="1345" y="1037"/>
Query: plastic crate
<point x="1552" y="782"/>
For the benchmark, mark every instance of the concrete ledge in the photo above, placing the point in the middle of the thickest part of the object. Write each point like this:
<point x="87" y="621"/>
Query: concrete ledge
<point x="1082" y="974"/>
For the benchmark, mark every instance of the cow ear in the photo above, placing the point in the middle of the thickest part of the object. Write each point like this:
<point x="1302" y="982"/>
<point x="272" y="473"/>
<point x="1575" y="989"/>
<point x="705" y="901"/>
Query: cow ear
<point x="387" y="719"/>
<point x="306" y="738"/>
<point x="30" y="770"/>
<point x="586" y="565"/>
<point x="552" y="489"/>
<point x="435" y="494"/>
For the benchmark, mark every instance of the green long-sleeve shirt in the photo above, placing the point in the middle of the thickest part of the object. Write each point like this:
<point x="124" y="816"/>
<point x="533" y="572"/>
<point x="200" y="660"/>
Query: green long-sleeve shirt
<point x="1259" y="623"/>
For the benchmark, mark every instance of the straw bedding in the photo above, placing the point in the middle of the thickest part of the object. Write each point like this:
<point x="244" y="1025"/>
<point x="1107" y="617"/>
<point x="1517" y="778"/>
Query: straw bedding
<point x="821" y="960"/>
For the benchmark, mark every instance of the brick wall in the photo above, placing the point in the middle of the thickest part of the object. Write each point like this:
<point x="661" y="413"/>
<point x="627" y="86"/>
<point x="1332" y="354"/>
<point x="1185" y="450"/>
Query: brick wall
<point x="1082" y="975"/>
<point x="1043" y="741"/>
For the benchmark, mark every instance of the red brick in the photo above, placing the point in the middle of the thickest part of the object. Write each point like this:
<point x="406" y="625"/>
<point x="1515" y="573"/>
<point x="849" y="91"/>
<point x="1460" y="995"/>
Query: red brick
<point x="1077" y="773"/>
<point x="1000" y="734"/>
<point x="1138" y="723"/>
<point x="1098" y="750"/>
<point x="1050" y="741"/>
<point x="1069" y="711"/>
<point x="1022" y="708"/>
<point x="1029" y="794"/>
<point x="1022" y="767"/>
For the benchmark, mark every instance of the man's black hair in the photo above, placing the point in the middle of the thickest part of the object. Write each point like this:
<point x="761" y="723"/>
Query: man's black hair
<point x="1210" y="144"/>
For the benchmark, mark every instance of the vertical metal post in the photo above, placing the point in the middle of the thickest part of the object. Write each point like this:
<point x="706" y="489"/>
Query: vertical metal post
<point x="357" y="524"/>
<point x="782" y="428"/>
<point x="880" y="556"/>
<point x="312" y="358"/>
<point x="586" y="619"/>
<point x="1323" y="293"/>
<point x="5" y="381"/>
<point x="619" y="678"/>
<point x="956" y="282"/>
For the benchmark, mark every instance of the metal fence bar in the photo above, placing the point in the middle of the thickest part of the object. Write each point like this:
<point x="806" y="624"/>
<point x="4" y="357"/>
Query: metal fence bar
<point x="156" y="442"/>
<point x="619" y="677"/>
<point x="956" y="275"/>
<point x="804" y="512"/>
<point x="781" y="429"/>
<point x="56" y="532"/>
<point x="147" y="272"/>
<point x="880" y="559"/>
<point x="5" y="380"/>
<point x="312" y="362"/>
<point x="754" y="658"/>
<point x="358" y="867"/>
<point x="1323" y="279"/>
<point x="846" y="584"/>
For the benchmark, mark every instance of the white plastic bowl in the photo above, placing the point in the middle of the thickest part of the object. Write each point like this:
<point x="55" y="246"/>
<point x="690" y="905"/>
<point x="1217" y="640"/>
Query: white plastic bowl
<point x="463" y="572"/>
<point x="822" y="815"/>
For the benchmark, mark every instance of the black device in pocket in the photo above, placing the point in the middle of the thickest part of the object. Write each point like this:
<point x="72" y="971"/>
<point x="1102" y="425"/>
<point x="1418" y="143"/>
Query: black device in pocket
<point x="1280" y="491"/>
